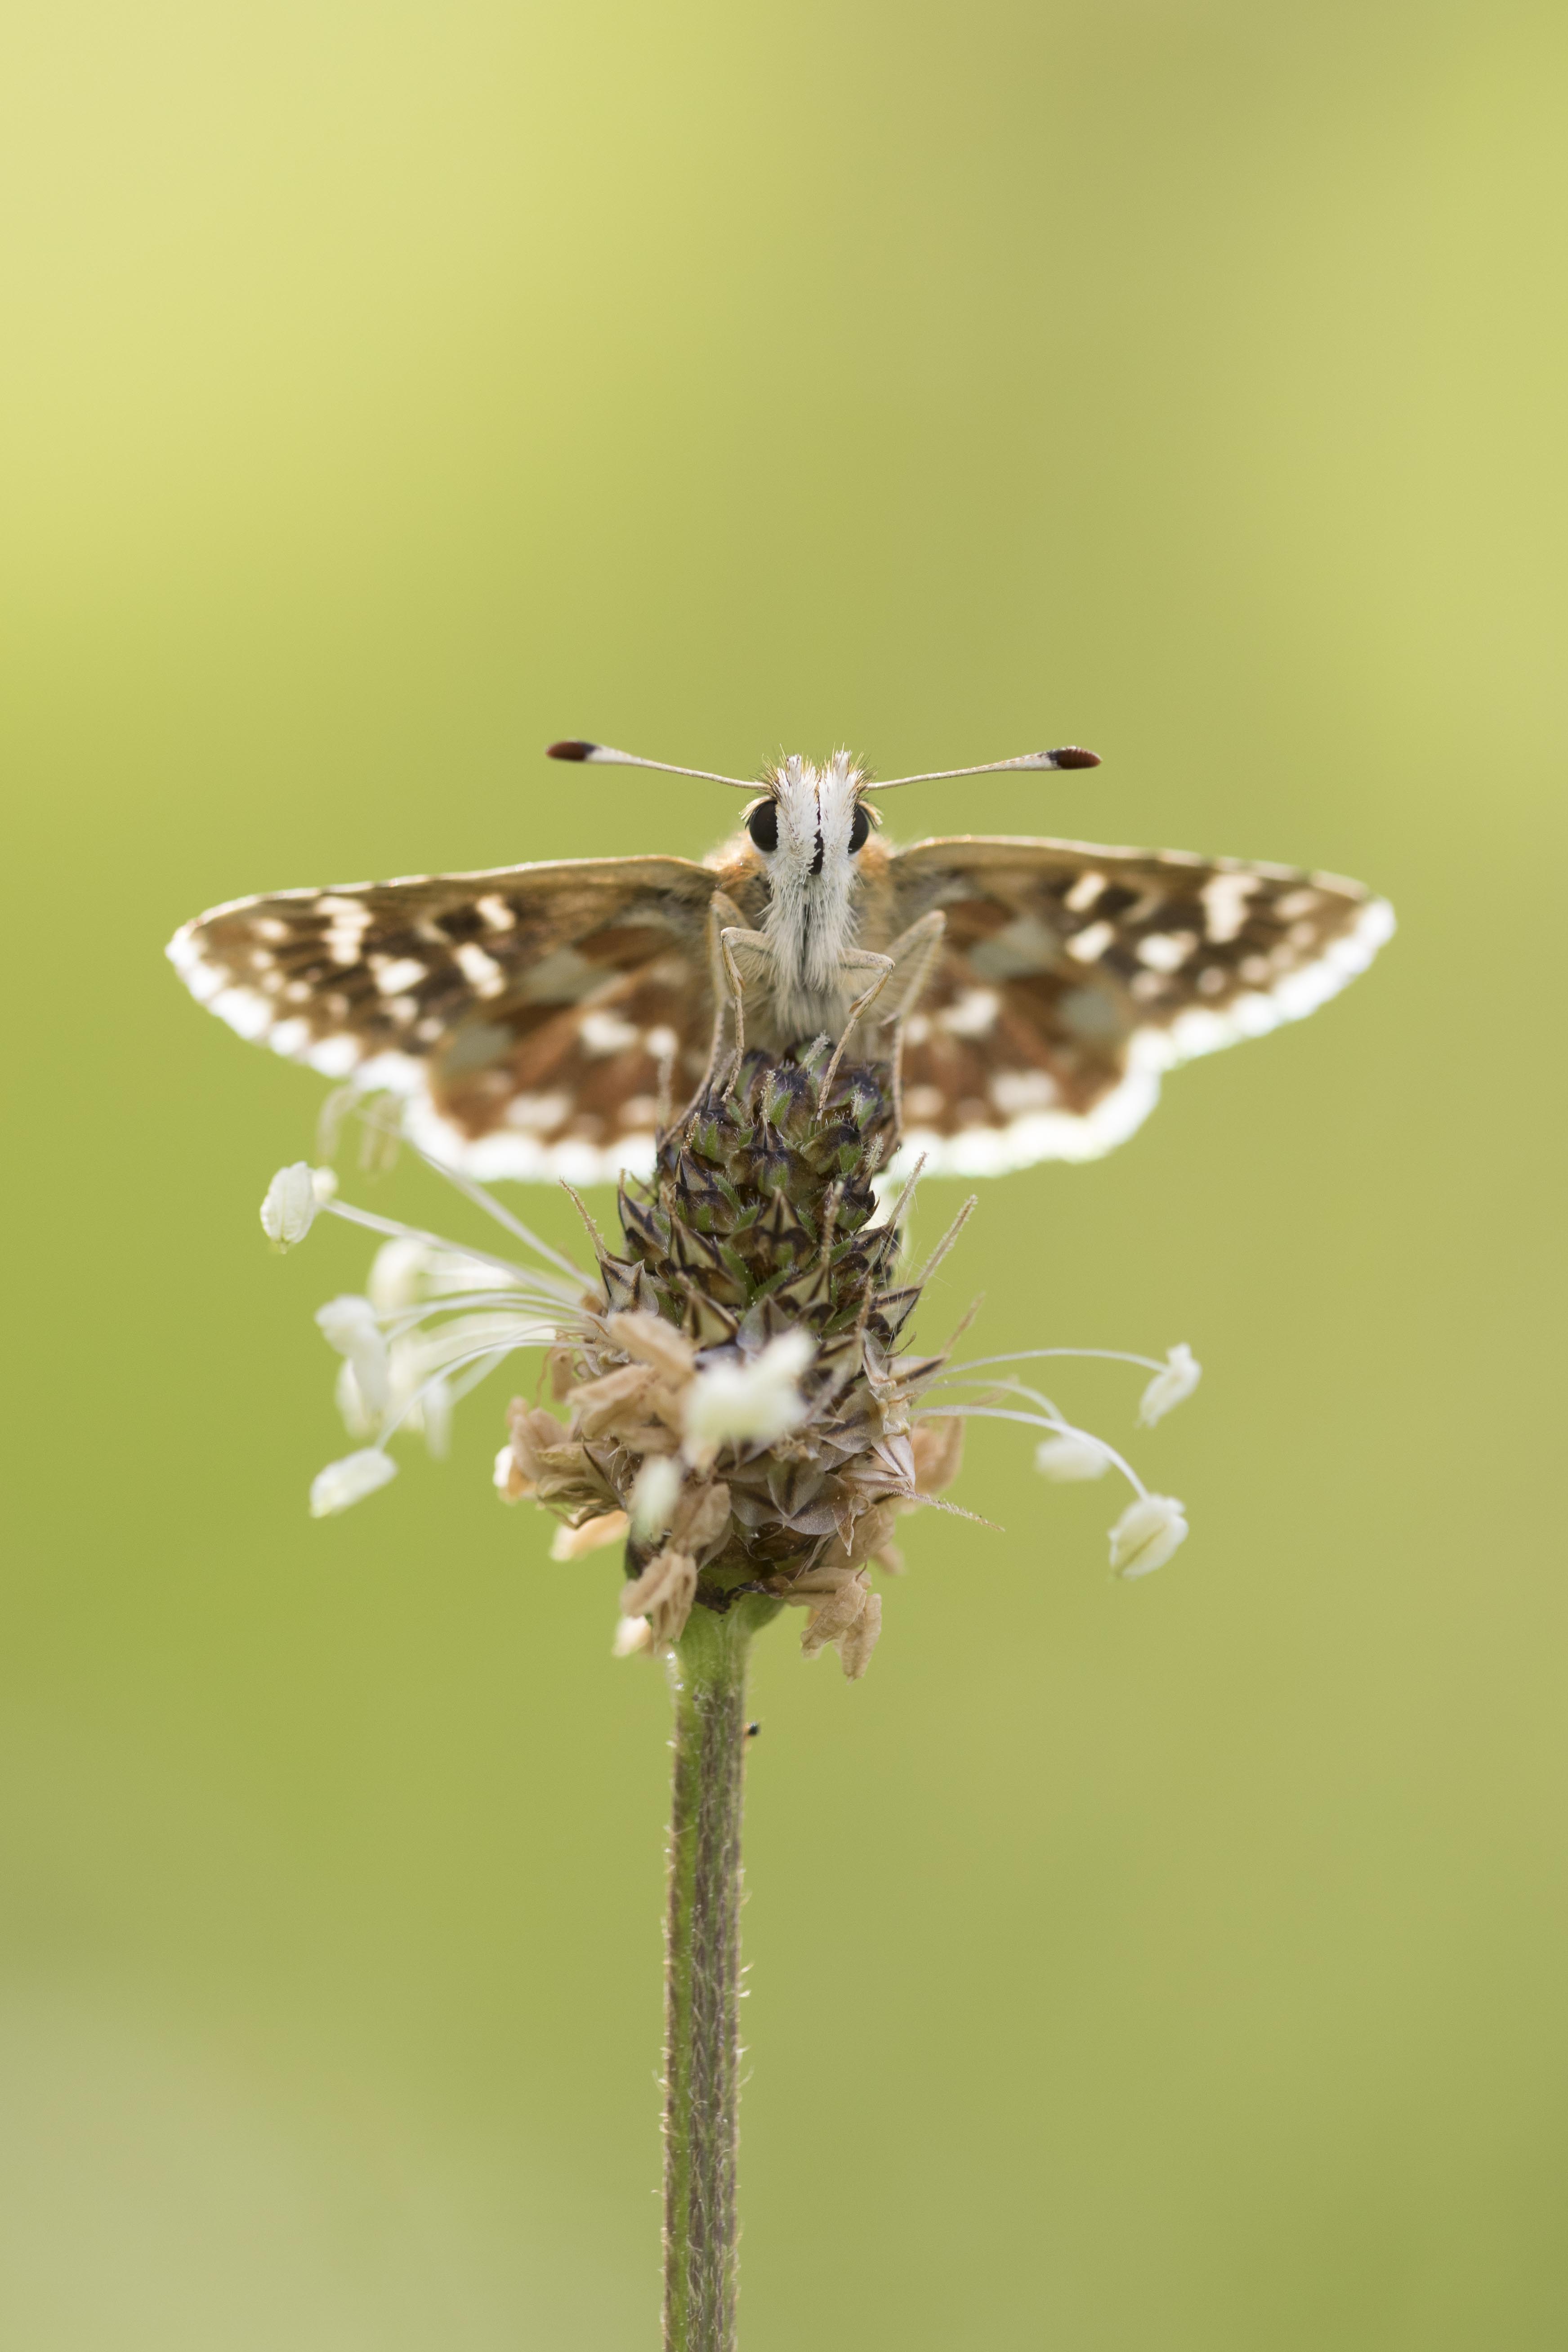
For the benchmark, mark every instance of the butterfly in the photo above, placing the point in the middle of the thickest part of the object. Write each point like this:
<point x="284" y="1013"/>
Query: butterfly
<point x="549" y="1021"/>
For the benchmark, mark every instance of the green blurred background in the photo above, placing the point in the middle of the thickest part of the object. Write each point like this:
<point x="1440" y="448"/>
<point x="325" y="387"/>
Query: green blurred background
<point x="1174" y="1967"/>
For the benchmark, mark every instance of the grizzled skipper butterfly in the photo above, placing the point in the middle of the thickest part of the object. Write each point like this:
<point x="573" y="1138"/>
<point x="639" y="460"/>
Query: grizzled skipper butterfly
<point x="546" y="1021"/>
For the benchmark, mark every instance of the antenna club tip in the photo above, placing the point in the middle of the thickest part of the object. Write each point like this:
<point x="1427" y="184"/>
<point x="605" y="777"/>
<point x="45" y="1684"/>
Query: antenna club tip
<point x="1073" y="755"/>
<point x="571" y="749"/>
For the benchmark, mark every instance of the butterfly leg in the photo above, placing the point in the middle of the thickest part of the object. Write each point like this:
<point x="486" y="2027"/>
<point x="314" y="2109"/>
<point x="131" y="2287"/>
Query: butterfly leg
<point x="914" y="953"/>
<point x="730" y="938"/>
<point x="856" y="959"/>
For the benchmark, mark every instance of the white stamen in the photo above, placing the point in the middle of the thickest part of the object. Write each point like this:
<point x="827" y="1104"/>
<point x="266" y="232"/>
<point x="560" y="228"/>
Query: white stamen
<point x="1171" y="1386"/>
<point x="1069" y="1459"/>
<point x="1146" y="1535"/>
<point x="349" y="1481"/>
<point x="395" y="1275"/>
<point x="653" y="1495"/>
<point x="350" y="1325"/>
<point x="294" y="1199"/>
<point x="760" y="1399"/>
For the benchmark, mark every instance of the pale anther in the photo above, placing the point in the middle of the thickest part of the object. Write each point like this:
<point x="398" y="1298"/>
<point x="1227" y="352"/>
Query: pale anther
<point x="350" y="1325"/>
<point x="1171" y="1386"/>
<point x="350" y="1481"/>
<point x="653" y="1495"/>
<point x="1146" y="1535"/>
<point x="293" y="1200"/>
<point x="1071" y="1458"/>
<point x="757" y="1401"/>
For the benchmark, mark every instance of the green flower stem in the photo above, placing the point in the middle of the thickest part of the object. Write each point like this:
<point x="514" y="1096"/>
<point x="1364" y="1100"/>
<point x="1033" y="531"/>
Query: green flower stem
<point x="708" y="1674"/>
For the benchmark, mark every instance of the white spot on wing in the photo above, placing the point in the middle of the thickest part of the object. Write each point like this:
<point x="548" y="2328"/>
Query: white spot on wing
<point x="244" y="1010"/>
<point x="480" y="969"/>
<point x="335" y="1056"/>
<point x="396" y="974"/>
<point x="1225" y="897"/>
<point x="1166" y="950"/>
<point x="1084" y="892"/>
<point x="1089" y="945"/>
<point x="973" y="1015"/>
<point x="607" y="1033"/>
<point x="1016" y="1091"/>
<point x="538" y="1111"/>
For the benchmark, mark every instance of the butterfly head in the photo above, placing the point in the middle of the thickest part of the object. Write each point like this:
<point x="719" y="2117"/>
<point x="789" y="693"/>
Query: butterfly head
<point x="811" y="822"/>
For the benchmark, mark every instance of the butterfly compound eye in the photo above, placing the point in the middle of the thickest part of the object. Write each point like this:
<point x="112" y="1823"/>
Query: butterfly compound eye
<point x="859" y="826"/>
<point x="763" y="824"/>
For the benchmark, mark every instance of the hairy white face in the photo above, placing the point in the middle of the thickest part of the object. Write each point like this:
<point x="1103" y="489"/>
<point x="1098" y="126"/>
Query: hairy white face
<point x="808" y="833"/>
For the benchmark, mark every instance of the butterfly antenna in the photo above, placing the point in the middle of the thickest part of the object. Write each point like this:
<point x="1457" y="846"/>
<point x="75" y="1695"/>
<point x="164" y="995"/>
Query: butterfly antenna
<point x="1066" y="755"/>
<point x="599" y="755"/>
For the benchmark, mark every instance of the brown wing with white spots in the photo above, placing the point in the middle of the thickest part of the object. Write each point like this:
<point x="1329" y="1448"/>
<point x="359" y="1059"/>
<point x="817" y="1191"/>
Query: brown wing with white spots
<point x="1071" y="976"/>
<point x="532" y="1015"/>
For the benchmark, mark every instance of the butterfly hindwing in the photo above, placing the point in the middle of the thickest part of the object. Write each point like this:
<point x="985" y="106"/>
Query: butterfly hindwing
<point x="532" y="1014"/>
<point x="1072" y="975"/>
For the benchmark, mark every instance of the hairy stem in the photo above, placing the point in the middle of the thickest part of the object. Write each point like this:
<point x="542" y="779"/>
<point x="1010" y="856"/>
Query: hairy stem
<point x="708" y="1674"/>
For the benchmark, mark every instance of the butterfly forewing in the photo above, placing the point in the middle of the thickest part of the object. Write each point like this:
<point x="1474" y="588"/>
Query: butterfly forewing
<point x="541" y="1020"/>
<point x="536" y="1016"/>
<point x="1072" y="975"/>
